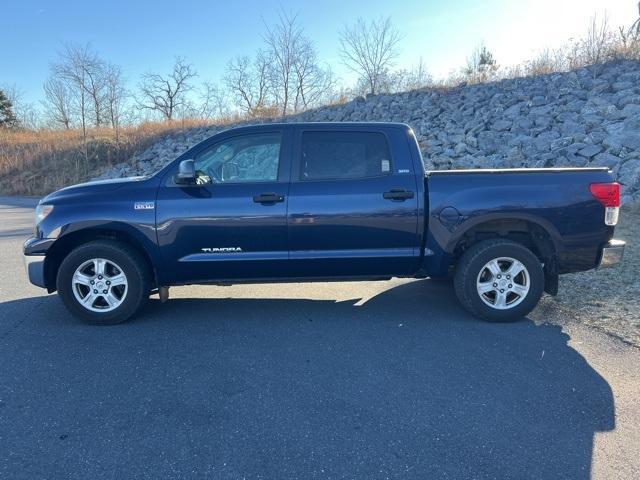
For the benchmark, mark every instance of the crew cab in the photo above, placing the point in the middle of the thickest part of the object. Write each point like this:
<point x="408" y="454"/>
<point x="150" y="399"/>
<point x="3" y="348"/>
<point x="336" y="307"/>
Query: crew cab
<point x="321" y="202"/>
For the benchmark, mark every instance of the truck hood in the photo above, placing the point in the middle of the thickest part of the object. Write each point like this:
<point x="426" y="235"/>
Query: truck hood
<point x="96" y="186"/>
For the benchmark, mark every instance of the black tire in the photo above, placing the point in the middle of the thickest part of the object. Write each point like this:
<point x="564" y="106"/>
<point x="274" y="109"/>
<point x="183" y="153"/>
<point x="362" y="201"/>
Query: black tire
<point x="472" y="264"/>
<point x="132" y="264"/>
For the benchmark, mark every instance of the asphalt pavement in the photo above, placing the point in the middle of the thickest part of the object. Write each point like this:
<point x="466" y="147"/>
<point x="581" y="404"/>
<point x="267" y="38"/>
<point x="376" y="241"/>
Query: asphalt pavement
<point x="361" y="380"/>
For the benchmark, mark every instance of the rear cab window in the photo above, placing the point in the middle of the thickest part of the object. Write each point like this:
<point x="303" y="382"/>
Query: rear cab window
<point x="328" y="155"/>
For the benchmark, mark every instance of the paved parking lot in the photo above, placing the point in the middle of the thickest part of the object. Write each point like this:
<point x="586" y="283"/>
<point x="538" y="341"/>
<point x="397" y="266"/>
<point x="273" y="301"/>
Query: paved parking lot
<point x="345" y="380"/>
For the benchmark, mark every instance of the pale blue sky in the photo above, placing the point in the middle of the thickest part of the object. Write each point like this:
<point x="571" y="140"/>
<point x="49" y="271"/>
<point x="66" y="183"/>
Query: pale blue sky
<point x="146" y="35"/>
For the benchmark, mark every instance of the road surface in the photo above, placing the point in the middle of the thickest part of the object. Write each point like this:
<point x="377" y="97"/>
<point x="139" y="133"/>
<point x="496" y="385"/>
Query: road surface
<point x="367" y="380"/>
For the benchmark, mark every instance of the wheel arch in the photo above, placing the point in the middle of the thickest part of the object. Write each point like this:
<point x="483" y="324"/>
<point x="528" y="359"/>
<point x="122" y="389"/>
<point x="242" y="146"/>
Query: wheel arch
<point x="534" y="232"/>
<point x="73" y="239"/>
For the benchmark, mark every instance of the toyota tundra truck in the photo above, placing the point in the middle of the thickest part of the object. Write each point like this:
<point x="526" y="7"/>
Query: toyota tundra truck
<point x="322" y="202"/>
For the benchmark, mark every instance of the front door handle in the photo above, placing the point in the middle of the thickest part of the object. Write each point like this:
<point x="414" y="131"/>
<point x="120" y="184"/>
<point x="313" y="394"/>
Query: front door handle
<point x="268" y="198"/>
<point x="397" y="194"/>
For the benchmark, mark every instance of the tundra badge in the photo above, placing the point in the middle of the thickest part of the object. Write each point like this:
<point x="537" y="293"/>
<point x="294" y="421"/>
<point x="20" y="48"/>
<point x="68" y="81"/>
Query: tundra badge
<point x="221" y="249"/>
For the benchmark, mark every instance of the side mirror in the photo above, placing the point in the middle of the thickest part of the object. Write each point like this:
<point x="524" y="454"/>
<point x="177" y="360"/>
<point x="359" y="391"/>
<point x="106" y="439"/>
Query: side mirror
<point x="186" y="172"/>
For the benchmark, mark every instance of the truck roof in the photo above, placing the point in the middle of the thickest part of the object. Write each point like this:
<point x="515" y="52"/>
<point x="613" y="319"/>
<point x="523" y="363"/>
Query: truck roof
<point x="328" y="125"/>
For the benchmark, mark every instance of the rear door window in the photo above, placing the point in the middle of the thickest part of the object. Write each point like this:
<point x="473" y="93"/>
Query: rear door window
<point x="344" y="155"/>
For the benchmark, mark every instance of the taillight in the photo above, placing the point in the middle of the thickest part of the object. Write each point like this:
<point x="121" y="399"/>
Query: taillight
<point x="608" y="194"/>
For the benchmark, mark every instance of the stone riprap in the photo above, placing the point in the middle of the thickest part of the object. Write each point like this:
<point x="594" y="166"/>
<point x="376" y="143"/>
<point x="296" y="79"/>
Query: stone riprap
<point x="568" y="119"/>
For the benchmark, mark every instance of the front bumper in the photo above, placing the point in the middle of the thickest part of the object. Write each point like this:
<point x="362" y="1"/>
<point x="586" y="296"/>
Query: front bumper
<point x="612" y="253"/>
<point x="34" y="265"/>
<point x="33" y="255"/>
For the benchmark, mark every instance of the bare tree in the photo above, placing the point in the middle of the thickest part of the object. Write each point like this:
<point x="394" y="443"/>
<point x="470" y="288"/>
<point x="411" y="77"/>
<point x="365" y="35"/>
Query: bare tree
<point x="165" y="94"/>
<point x="83" y="71"/>
<point x="248" y="80"/>
<point x="313" y="83"/>
<point x="214" y="102"/>
<point x="74" y="79"/>
<point x="115" y="96"/>
<point x="58" y="102"/>
<point x="369" y="49"/>
<point x="481" y="66"/>
<point x="96" y="86"/>
<point x="284" y="41"/>
<point x="286" y="76"/>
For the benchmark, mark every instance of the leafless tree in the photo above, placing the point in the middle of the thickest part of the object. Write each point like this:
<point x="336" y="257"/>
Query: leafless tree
<point x="58" y="102"/>
<point x="115" y="96"/>
<point x="74" y="78"/>
<point x="284" y="44"/>
<point x="370" y="49"/>
<point x="214" y="102"/>
<point x="313" y="82"/>
<point x="83" y="71"/>
<point x="166" y="94"/>
<point x="285" y="76"/>
<point x="248" y="81"/>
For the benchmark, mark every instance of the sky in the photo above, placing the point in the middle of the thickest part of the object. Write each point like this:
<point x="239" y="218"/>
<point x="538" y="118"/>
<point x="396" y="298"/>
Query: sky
<point x="146" y="35"/>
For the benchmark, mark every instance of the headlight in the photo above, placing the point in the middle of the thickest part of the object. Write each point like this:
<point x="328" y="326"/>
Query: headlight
<point x="42" y="211"/>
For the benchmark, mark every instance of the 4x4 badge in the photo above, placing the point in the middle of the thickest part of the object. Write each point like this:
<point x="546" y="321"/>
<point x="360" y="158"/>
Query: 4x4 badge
<point x="144" y="206"/>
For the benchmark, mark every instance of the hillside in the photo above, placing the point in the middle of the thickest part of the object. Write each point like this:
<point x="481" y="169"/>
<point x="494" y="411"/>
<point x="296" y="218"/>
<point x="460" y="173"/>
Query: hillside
<point x="39" y="162"/>
<point x="555" y="120"/>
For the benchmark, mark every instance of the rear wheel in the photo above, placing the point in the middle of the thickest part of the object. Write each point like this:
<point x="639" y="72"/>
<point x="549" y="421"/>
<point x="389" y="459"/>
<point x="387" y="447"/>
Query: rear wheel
<point x="104" y="282"/>
<point x="499" y="280"/>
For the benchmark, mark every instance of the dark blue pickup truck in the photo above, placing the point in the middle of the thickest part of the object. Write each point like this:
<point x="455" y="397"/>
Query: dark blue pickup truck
<point x="320" y="202"/>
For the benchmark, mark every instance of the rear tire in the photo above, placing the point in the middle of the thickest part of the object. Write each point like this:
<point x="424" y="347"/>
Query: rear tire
<point x="104" y="282"/>
<point x="499" y="280"/>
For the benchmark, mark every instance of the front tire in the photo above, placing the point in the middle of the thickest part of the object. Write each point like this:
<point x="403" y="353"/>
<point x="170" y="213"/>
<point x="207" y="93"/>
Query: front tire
<point x="104" y="282"/>
<point x="499" y="280"/>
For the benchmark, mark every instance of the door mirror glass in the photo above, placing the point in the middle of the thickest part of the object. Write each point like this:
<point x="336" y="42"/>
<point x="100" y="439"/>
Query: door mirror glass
<point x="186" y="172"/>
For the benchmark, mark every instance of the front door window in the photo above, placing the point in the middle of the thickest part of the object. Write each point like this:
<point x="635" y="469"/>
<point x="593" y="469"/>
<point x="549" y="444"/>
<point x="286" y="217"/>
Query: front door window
<point x="244" y="159"/>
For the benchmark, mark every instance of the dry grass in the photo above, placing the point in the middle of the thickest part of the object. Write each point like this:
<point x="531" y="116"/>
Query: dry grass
<point x="38" y="162"/>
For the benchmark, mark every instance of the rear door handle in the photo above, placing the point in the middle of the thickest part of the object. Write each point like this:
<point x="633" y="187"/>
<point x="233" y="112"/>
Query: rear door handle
<point x="397" y="194"/>
<point x="268" y="198"/>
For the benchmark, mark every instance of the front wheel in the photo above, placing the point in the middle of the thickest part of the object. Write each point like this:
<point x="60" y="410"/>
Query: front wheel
<point x="103" y="282"/>
<point x="499" y="280"/>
